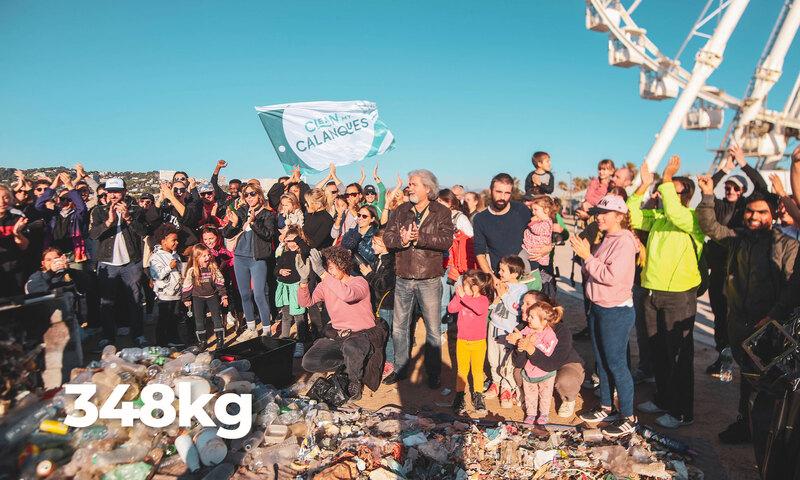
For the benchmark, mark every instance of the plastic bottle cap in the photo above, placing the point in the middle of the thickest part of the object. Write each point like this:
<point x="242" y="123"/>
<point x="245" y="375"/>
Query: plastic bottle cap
<point x="44" y="468"/>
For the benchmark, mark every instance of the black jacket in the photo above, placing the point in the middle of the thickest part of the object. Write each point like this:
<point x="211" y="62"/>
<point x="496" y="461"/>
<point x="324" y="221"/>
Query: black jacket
<point x="264" y="229"/>
<point x="762" y="279"/>
<point x="562" y="355"/>
<point x="317" y="227"/>
<point x="381" y="282"/>
<point x="278" y="189"/>
<point x="132" y="232"/>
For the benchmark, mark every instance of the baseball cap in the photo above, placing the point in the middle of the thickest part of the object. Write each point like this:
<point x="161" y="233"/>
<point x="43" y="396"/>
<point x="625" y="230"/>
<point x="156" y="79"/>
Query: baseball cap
<point x="115" y="184"/>
<point x="370" y="190"/>
<point x="147" y="196"/>
<point x="609" y="203"/>
<point x="205" y="188"/>
<point x="736" y="180"/>
<point x="527" y="197"/>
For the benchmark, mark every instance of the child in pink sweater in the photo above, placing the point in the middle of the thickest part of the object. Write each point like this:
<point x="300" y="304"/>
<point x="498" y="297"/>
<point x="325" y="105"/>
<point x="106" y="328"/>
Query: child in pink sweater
<point x="540" y="229"/>
<point x="538" y="335"/>
<point x="471" y="303"/>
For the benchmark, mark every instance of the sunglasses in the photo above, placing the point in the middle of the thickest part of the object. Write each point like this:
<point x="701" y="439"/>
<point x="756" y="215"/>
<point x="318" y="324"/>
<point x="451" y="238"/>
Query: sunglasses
<point x="179" y="190"/>
<point x="251" y="194"/>
<point x="731" y="189"/>
<point x="102" y="195"/>
<point x="364" y="215"/>
<point x="179" y="179"/>
<point x="207" y="194"/>
<point x="41" y="189"/>
<point x="351" y="194"/>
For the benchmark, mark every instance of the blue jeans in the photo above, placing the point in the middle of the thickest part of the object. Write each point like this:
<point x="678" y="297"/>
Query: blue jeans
<point x="609" y="329"/>
<point x="388" y="315"/>
<point x="246" y="268"/>
<point x="428" y="294"/>
<point x="448" y="292"/>
<point x="108" y="277"/>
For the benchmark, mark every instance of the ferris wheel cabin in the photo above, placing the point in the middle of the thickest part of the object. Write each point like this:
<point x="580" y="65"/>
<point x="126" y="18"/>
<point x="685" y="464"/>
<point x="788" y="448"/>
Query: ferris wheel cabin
<point x="704" y="116"/>
<point x="595" y="21"/>
<point x="657" y="85"/>
<point x="619" y="55"/>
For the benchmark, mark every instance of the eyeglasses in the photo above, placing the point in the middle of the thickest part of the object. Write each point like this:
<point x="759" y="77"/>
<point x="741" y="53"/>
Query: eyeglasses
<point x="179" y="179"/>
<point x="351" y="194"/>
<point x="251" y="194"/>
<point x="731" y="188"/>
<point x="41" y="189"/>
<point x="364" y="215"/>
<point x="179" y="190"/>
<point x="209" y="194"/>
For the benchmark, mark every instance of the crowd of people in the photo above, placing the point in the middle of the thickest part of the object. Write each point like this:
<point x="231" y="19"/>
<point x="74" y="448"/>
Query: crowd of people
<point x="353" y="267"/>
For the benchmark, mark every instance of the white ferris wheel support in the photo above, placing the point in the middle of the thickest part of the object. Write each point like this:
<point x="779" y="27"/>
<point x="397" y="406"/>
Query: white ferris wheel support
<point x="706" y="61"/>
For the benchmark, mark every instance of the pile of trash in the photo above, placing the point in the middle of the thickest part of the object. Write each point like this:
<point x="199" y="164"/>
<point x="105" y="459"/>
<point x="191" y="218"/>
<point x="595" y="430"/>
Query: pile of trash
<point x="295" y="437"/>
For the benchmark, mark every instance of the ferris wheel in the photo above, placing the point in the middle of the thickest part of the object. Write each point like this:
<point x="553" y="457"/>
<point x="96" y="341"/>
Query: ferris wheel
<point x="762" y="133"/>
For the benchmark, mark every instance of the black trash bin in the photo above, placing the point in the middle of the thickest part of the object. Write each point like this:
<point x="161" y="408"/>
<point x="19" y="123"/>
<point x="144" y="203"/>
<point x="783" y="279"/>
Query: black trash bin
<point x="270" y="358"/>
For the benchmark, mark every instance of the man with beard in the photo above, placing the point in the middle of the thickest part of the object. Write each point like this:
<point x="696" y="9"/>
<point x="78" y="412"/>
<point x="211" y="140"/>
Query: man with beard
<point x="623" y="177"/>
<point x="419" y="232"/>
<point x="729" y="211"/>
<point x="499" y="228"/>
<point x="761" y="281"/>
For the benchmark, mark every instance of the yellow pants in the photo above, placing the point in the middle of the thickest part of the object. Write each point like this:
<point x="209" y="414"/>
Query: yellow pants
<point x="470" y="353"/>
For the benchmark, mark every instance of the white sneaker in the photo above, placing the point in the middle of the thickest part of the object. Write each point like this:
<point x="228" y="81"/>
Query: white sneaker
<point x="567" y="409"/>
<point x="299" y="350"/>
<point x="650" y="407"/>
<point x="668" y="421"/>
<point x="230" y="320"/>
<point x="247" y="335"/>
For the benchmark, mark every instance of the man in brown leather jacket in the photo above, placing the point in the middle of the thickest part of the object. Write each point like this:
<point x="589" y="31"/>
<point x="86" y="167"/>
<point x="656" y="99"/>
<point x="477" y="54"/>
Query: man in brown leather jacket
<point x="419" y="232"/>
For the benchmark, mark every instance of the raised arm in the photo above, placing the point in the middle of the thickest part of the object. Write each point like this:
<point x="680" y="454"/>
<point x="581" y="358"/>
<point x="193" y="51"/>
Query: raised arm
<point x="678" y="214"/>
<point x="706" y="216"/>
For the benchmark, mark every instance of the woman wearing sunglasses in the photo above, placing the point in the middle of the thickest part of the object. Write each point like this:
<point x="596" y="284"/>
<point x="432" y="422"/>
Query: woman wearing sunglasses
<point x="177" y="210"/>
<point x="359" y="240"/>
<point x="254" y="227"/>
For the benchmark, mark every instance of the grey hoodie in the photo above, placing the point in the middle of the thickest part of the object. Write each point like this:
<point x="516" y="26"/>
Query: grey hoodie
<point x="166" y="280"/>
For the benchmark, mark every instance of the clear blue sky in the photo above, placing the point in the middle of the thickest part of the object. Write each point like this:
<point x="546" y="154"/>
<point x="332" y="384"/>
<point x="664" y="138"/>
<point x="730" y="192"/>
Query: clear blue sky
<point x="468" y="89"/>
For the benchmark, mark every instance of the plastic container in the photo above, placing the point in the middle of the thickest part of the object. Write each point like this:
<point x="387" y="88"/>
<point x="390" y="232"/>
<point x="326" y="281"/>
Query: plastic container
<point x="211" y="448"/>
<point x="270" y="358"/>
<point x="128" y="453"/>
<point x="275" y="434"/>
<point x="188" y="452"/>
<point x="20" y="430"/>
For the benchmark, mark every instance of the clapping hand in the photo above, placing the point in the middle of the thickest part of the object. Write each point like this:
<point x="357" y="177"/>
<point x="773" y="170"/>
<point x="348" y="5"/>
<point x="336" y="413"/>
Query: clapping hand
<point x="737" y="154"/>
<point x="672" y="168"/>
<point x="580" y="246"/>
<point x="365" y="269"/>
<point x="646" y="175"/>
<point x="460" y="290"/>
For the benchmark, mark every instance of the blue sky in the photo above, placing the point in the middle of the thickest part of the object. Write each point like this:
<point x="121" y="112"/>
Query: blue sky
<point x="468" y="89"/>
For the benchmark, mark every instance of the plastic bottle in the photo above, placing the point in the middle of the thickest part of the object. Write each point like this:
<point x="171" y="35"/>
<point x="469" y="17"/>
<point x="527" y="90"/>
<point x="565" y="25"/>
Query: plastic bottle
<point x="671" y="443"/>
<point x="176" y="365"/>
<point x="280" y="454"/>
<point x="128" y="453"/>
<point x="197" y="368"/>
<point x="18" y="431"/>
<point x="132" y="354"/>
<point x="188" y="452"/>
<point x="726" y="365"/>
<point x="153" y="370"/>
<point x="204" y="358"/>
<point x="241" y="365"/>
<point x="109" y="351"/>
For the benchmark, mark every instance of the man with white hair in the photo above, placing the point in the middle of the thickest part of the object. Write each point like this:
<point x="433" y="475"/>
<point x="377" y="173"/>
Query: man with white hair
<point x="419" y="232"/>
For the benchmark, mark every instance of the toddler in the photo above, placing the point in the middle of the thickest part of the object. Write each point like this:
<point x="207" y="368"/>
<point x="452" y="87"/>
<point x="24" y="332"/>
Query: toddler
<point x="204" y="288"/>
<point x="537" y="384"/>
<point x="503" y="320"/>
<point x="540" y="180"/>
<point x="471" y="303"/>
<point x="540" y="230"/>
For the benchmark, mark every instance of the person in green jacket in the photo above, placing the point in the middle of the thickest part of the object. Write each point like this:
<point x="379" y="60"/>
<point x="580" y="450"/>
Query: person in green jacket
<point x="672" y="276"/>
<point x="371" y="197"/>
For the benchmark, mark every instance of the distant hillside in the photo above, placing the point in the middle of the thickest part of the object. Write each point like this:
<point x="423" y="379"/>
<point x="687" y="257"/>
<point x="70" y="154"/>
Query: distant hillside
<point x="137" y="182"/>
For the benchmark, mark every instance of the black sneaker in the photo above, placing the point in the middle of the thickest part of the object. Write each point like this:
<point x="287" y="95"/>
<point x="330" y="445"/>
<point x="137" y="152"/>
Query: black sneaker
<point x="434" y="382"/>
<point x="459" y="403"/>
<point x="393" y="378"/>
<point x="598" y="414"/>
<point x="478" y="402"/>
<point x="354" y="388"/>
<point x="620" y="427"/>
<point x="736" y="433"/>
<point x="714" y="367"/>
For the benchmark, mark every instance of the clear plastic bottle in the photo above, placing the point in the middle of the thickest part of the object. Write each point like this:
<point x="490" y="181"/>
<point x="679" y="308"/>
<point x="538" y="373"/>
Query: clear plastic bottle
<point x="132" y="354"/>
<point x="726" y="365"/>
<point x="109" y="351"/>
<point x="176" y="365"/>
<point x="197" y="368"/>
<point x="126" y="454"/>
<point x="281" y="454"/>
